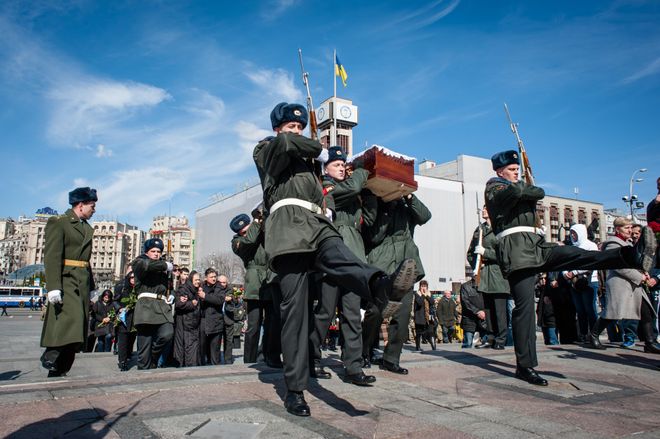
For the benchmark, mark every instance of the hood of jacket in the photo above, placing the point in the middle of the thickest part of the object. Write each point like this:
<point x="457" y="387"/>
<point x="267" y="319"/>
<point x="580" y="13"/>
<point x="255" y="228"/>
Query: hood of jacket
<point x="582" y="238"/>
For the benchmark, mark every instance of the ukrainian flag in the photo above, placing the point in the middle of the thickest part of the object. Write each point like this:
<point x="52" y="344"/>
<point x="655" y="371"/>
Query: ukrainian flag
<point x="340" y="71"/>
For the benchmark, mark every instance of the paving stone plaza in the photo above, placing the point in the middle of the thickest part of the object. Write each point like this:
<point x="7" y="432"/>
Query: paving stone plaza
<point x="449" y="393"/>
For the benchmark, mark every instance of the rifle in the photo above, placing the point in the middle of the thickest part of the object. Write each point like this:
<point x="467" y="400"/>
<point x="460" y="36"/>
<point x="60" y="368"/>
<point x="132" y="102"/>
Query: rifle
<point x="313" y="130"/>
<point x="479" y="261"/>
<point x="525" y="168"/>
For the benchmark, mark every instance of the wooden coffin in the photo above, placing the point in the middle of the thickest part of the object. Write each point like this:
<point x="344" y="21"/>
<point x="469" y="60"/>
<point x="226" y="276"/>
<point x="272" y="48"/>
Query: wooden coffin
<point x="391" y="176"/>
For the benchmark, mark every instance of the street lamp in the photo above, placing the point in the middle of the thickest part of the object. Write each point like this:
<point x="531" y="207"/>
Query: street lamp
<point x="631" y="198"/>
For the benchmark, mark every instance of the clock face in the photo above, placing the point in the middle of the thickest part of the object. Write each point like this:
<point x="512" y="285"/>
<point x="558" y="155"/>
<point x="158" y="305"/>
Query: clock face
<point x="345" y="112"/>
<point x="321" y="113"/>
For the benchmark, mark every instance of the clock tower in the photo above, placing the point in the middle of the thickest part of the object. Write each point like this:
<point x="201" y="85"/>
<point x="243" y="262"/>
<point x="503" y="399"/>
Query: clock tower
<point x="337" y="117"/>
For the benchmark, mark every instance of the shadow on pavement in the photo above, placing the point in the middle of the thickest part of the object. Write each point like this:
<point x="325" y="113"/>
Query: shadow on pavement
<point x="10" y="375"/>
<point x="74" y="424"/>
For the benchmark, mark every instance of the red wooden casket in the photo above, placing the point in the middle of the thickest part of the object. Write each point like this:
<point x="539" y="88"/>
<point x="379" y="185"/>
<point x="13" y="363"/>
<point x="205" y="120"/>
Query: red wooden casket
<point x="391" y="175"/>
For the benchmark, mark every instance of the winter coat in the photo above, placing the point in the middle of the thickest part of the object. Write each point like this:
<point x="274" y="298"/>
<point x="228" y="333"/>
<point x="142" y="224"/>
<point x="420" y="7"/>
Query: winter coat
<point x="391" y="238"/>
<point x="623" y="288"/>
<point x="151" y="277"/>
<point x="286" y="169"/>
<point x="123" y="290"/>
<point x="510" y="205"/>
<point x="213" y="318"/>
<point x="473" y="302"/>
<point x="491" y="279"/>
<point x="446" y="312"/>
<point x="66" y="237"/>
<point x="422" y="309"/>
<point x="187" y="319"/>
<point x="100" y="311"/>
<point x="250" y="248"/>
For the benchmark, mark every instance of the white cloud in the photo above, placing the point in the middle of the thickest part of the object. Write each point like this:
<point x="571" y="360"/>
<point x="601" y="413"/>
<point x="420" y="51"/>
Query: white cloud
<point x="277" y="83"/>
<point x="275" y="8"/>
<point x="102" y="151"/>
<point x="652" y="68"/>
<point x="135" y="191"/>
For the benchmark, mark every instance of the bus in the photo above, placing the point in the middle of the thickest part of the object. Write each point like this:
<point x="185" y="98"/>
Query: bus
<point x="19" y="297"/>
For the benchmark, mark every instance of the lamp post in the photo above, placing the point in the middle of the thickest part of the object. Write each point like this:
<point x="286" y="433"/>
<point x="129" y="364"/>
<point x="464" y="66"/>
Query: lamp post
<point x="631" y="198"/>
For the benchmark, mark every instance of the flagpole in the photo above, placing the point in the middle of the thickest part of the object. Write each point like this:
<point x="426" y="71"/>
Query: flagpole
<point x="334" y="104"/>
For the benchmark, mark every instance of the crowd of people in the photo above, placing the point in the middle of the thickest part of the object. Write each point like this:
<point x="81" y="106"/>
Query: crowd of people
<point x="321" y="250"/>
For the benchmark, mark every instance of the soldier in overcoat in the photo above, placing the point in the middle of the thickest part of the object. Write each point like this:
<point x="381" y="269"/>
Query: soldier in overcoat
<point x="522" y="252"/>
<point x="248" y="244"/>
<point x="299" y="238"/>
<point x="153" y="317"/>
<point x="492" y="284"/>
<point x="69" y="279"/>
<point x="349" y="220"/>
<point x="391" y="240"/>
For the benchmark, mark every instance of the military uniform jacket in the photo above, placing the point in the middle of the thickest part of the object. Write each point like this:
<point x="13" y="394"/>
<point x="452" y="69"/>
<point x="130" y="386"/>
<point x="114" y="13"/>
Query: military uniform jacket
<point x="510" y="205"/>
<point x="67" y="238"/>
<point x="348" y="209"/>
<point x="151" y="277"/>
<point x="250" y="248"/>
<point x="286" y="170"/>
<point x="390" y="238"/>
<point x="491" y="279"/>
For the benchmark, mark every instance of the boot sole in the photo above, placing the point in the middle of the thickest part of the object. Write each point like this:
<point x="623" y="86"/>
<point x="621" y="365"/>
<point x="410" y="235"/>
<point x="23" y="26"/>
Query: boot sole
<point x="649" y="249"/>
<point x="390" y="309"/>
<point x="404" y="279"/>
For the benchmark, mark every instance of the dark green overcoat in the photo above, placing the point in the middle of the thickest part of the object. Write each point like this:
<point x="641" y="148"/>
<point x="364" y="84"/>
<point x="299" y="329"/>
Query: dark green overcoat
<point x="391" y="238"/>
<point x="510" y="205"/>
<point x="491" y="279"/>
<point x="286" y="169"/>
<point x="348" y="209"/>
<point x="250" y="248"/>
<point x="67" y="238"/>
<point x="151" y="277"/>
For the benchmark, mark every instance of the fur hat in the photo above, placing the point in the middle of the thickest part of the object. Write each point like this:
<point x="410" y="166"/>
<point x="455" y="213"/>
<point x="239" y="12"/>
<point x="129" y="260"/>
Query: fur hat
<point x="505" y="158"/>
<point x="238" y="222"/>
<point x="81" y="195"/>
<point x="284" y="112"/>
<point x="152" y="243"/>
<point x="335" y="153"/>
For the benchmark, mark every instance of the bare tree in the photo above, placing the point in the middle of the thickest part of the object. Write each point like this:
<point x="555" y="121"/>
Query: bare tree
<point x="224" y="263"/>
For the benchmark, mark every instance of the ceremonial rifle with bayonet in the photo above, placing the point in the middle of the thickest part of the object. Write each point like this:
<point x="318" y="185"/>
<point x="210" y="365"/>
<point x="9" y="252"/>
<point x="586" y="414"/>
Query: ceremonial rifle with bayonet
<point x="313" y="129"/>
<point x="479" y="261"/>
<point x="525" y="168"/>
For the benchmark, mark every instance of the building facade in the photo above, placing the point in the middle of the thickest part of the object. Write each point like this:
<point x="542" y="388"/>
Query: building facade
<point x="178" y="237"/>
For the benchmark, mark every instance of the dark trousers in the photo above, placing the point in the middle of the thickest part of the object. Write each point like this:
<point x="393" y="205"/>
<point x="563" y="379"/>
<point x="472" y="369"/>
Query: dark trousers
<point x="496" y="316"/>
<point x="228" y="343"/>
<point x="397" y="330"/>
<point x="151" y="339"/>
<point x="211" y="348"/>
<point x="349" y="322"/>
<point x="584" y="300"/>
<point x="103" y="343"/>
<point x="261" y="314"/>
<point x="62" y="356"/>
<point x="125" y="342"/>
<point x="522" y="289"/>
<point x="342" y="267"/>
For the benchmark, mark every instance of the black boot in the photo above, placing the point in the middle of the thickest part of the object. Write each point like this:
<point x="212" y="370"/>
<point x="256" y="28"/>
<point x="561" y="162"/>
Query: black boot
<point x="387" y="291"/>
<point x="651" y="348"/>
<point x="295" y="404"/>
<point x="593" y="342"/>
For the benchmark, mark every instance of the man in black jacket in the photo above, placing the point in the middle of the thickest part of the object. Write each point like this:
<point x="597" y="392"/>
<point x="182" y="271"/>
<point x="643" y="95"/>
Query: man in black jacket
<point x="213" y="319"/>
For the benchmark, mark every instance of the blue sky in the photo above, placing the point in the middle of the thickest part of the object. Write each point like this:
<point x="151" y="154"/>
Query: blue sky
<point x="158" y="104"/>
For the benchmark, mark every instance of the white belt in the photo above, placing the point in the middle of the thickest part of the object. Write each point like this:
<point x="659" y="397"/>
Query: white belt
<point x="169" y="300"/>
<point x="296" y="202"/>
<point x="519" y="229"/>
